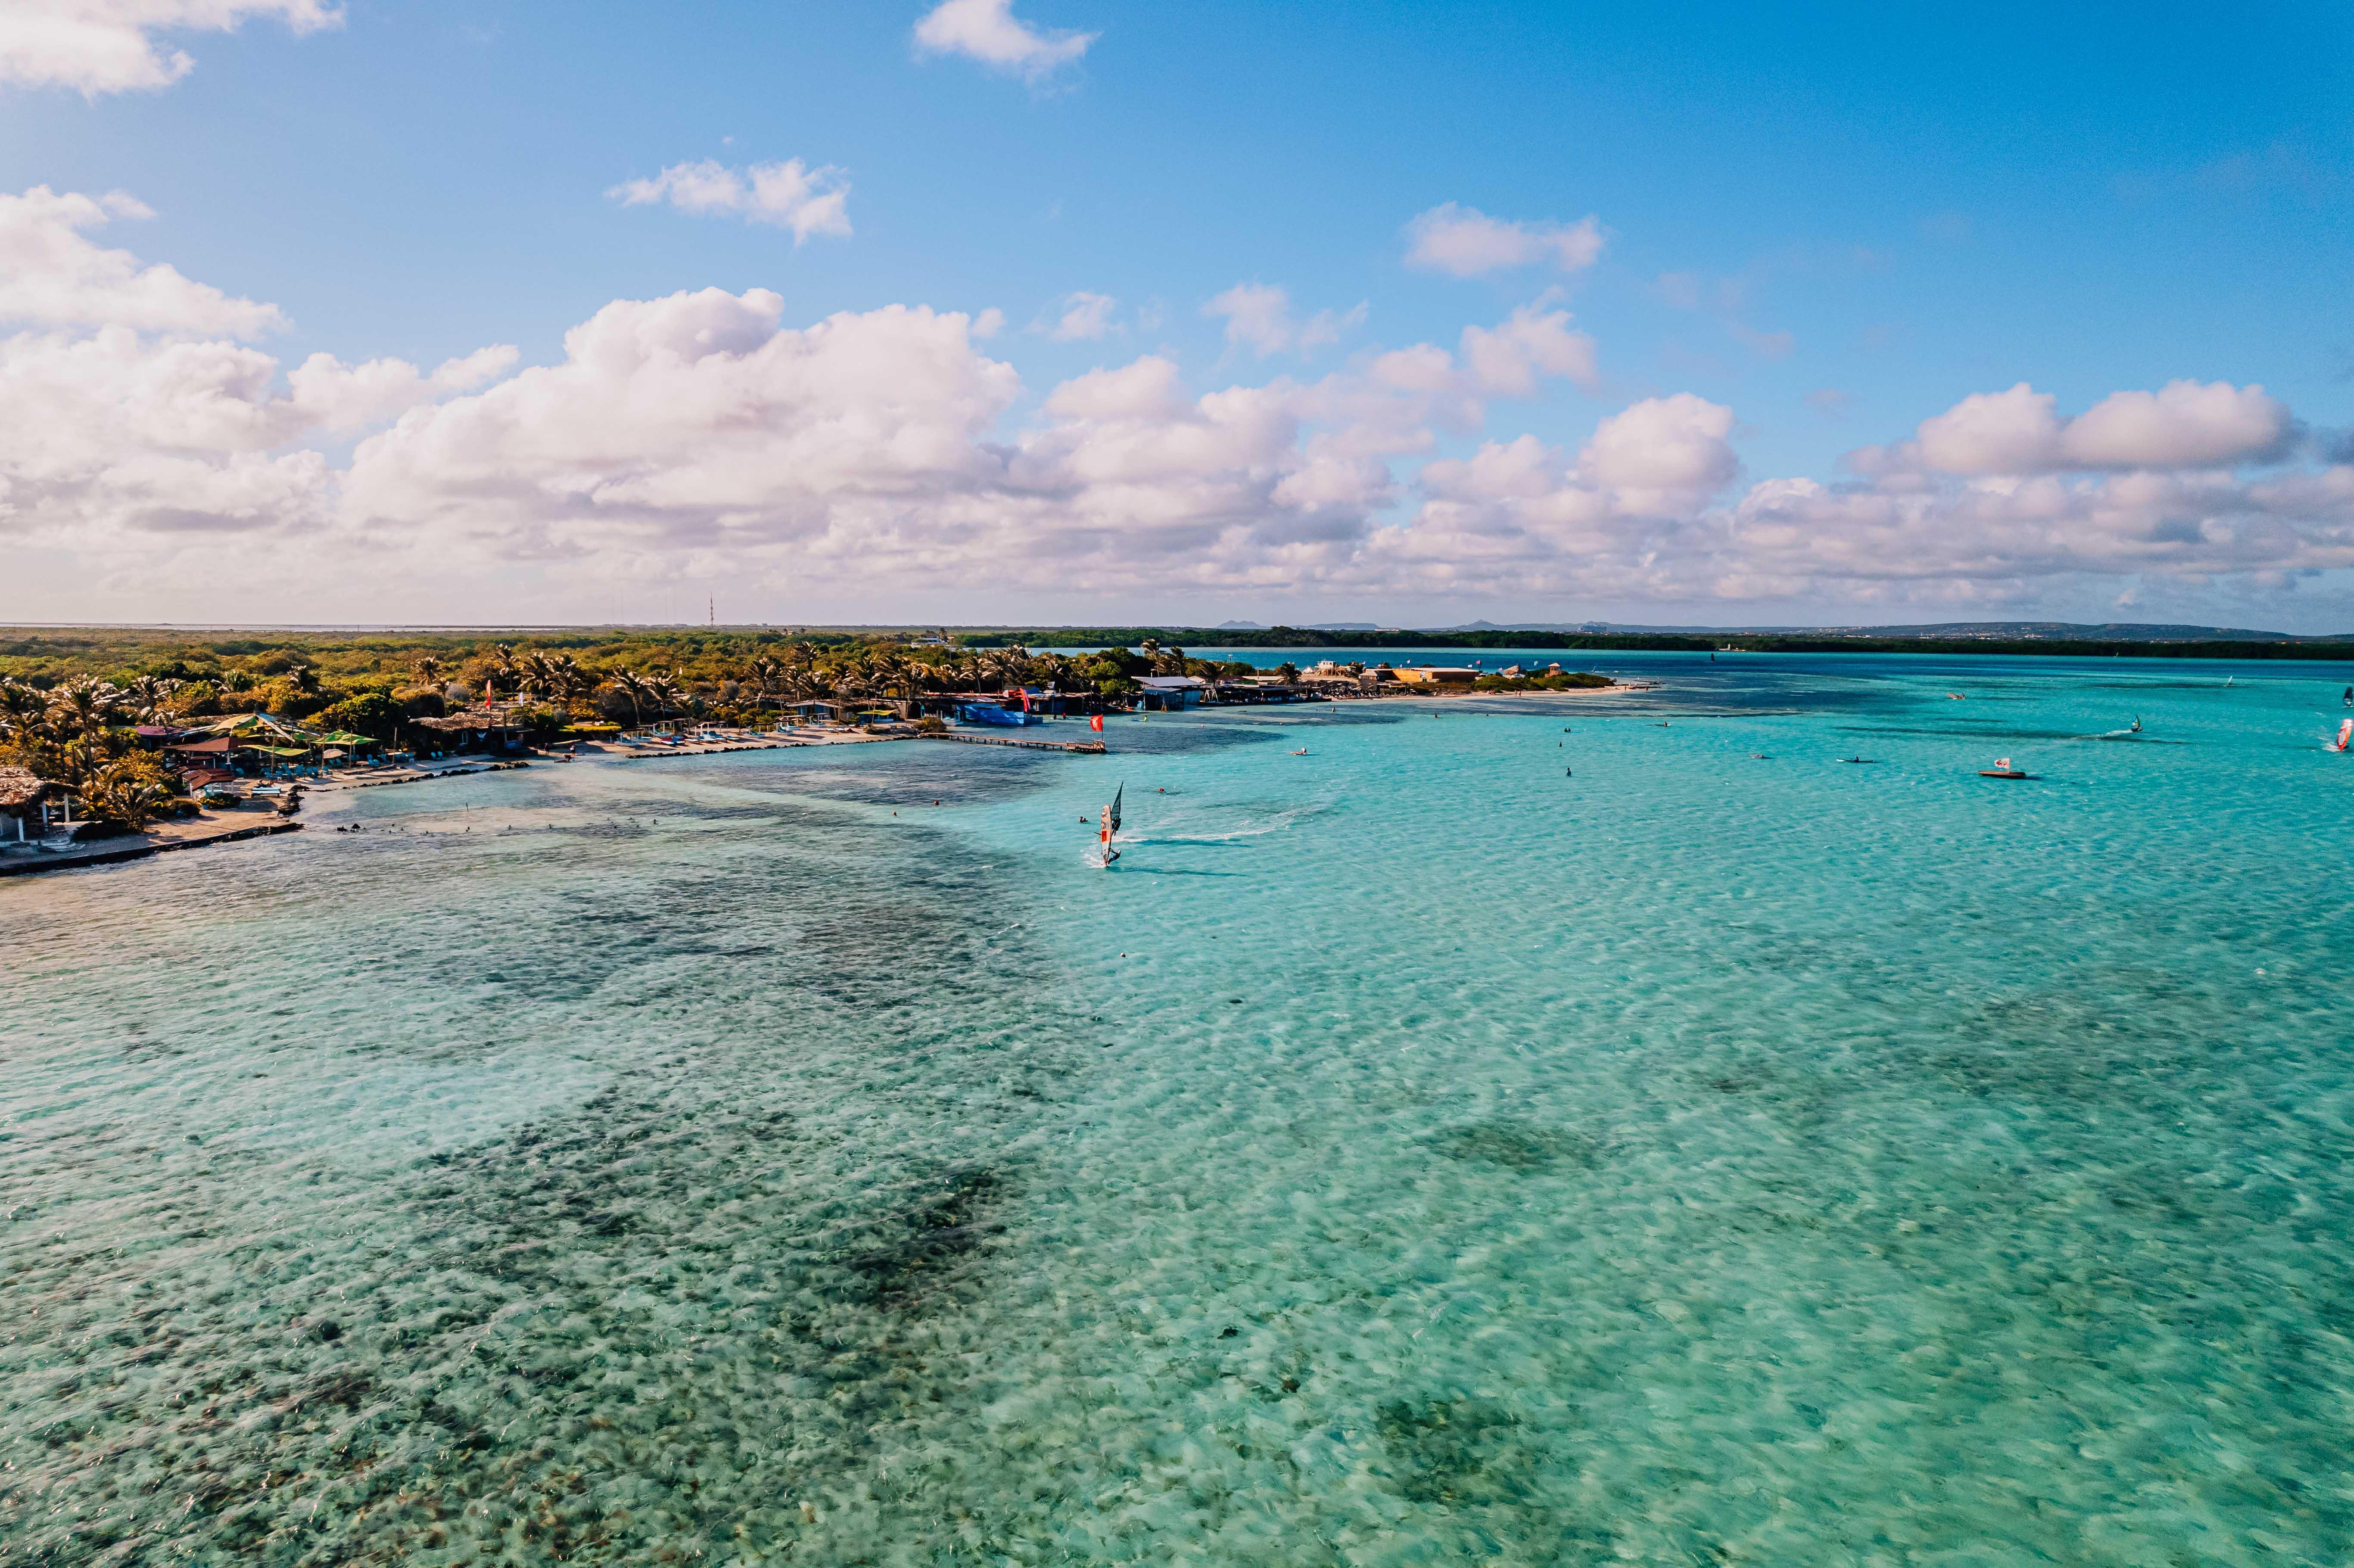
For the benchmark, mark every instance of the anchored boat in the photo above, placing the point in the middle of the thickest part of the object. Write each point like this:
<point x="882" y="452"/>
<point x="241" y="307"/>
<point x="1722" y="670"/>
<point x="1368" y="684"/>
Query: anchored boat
<point x="998" y="713"/>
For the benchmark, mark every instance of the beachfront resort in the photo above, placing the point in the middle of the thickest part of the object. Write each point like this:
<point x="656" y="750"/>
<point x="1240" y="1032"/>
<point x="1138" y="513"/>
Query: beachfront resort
<point x="100" y="740"/>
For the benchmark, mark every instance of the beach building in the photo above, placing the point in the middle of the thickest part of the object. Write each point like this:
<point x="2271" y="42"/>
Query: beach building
<point x="1171" y="693"/>
<point x="212" y="752"/>
<point x="1437" y="675"/>
<point x="488" y="726"/>
<point x="1264" y="691"/>
<point x="24" y="806"/>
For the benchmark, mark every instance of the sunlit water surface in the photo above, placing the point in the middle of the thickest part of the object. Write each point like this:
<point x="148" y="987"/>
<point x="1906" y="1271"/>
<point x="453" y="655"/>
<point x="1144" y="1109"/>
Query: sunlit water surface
<point x="1518" y="1132"/>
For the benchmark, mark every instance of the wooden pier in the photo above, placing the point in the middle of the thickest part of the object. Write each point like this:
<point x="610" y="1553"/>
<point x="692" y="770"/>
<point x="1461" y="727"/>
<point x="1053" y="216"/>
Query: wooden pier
<point x="1088" y="748"/>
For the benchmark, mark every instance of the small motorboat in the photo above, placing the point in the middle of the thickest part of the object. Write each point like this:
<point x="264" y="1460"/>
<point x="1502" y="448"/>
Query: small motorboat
<point x="2002" y="770"/>
<point x="998" y="713"/>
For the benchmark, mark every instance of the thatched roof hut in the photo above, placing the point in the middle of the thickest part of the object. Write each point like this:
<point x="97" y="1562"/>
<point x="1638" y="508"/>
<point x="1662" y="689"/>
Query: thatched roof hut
<point x="21" y="794"/>
<point x="21" y="790"/>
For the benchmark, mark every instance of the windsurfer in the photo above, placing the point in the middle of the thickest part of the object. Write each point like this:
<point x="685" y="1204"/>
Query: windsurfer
<point x="1110" y="828"/>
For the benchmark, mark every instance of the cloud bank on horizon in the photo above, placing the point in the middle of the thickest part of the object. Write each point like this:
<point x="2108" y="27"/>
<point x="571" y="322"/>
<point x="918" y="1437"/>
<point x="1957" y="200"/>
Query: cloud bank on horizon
<point x="881" y="454"/>
<point x="881" y="448"/>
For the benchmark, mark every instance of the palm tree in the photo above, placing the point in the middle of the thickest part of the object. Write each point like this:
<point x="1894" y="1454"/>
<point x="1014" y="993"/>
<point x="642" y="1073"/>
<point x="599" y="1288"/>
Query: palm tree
<point x="22" y="707"/>
<point x="304" y="678"/>
<point x="885" y="671"/>
<point x="762" y="674"/>
<point x="81" y="707"/>
<point x="801" y="683"/>
<point x="540" y="675"/>
<point x="844" y="684"/>
<point x="120" y="792"/>
<point x="147" y="696"/>
<point x="568" y="681"/>
<point x="630" y="684"/>
<point x="428" y="672"/>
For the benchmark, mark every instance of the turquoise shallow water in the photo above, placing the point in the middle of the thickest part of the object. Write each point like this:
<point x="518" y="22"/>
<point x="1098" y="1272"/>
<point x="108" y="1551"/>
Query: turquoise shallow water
<point x="1410" y="1154"/>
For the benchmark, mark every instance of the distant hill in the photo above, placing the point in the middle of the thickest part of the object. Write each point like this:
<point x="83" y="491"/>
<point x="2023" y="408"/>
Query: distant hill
<point x="1998" y="630"/>
<point x="2076" y="632"/>
<point x="1624" y="627"/>
<point x="2047" y="639"/>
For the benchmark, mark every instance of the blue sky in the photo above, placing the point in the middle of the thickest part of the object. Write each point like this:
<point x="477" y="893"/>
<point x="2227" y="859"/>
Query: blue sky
<point x="1833" y="221"/>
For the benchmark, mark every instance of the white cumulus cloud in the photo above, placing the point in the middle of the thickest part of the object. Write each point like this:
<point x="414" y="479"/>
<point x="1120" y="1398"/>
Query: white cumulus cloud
<point x="111" y="46"/>
<point x="129" y="413"/>
<point x="880" y="454"/>
<point x="1465" y="242"/>
<point x="987" y="31"/>
<point x="1665" y="443"/>
<point x="2183" y="425"/>
<point x="1085" y="318"/>
<point x="1259" y="317"/>
<point x="332" y="396"/>
<point x="52" y="274"/>
<point x="790" y="194"/>
<point x="1508" y="359"/>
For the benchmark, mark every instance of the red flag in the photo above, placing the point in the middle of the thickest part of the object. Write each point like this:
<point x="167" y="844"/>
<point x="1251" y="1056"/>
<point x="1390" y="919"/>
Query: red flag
<point x="1096" y="722"/>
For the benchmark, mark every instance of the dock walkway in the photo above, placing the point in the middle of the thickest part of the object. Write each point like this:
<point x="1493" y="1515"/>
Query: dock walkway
<point x="1090" y="747"/>
<point x="965" y="737"/>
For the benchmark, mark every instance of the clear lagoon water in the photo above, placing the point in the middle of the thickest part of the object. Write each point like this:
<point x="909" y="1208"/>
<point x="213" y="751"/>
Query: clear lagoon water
<point x="1580" y="1130"/>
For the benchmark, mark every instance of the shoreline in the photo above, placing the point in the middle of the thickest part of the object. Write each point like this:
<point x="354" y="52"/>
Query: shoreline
<point x="204" y="832"/>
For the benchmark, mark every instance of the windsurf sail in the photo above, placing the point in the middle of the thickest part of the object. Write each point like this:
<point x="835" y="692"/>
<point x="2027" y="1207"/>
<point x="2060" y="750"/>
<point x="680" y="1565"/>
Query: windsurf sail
<point x="2345" y="735"/>
<point x="1110" y="828"/>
